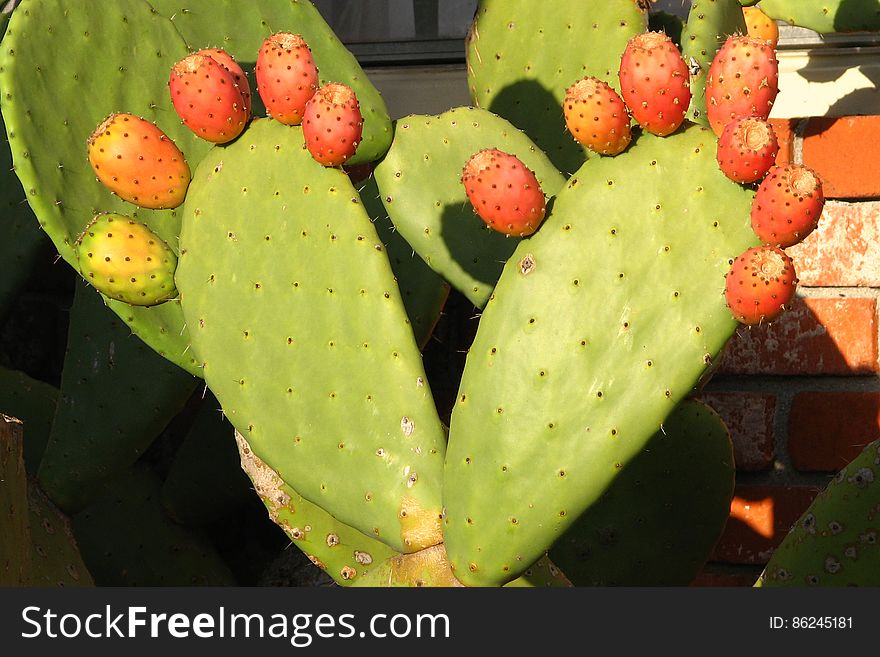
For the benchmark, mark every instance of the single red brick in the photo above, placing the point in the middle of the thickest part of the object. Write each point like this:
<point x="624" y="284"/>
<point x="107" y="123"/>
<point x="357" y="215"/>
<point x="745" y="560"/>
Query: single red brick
<point x="827" y="430"/>
<point x="835" y="336"/>
<point x="760" y="517"/>
<point x="749" y="416"/>
<point x="784" y="129"/>
<point x="844" y="250"/>
<point x="843" y="151"/>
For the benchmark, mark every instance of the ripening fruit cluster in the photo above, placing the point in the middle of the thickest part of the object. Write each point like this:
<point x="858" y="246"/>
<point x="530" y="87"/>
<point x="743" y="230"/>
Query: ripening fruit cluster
<point x="138" y="162"/>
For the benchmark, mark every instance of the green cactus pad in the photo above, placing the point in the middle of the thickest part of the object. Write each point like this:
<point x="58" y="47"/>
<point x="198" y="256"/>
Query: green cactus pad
<point x="709" y="24"/>
<point x="21" y="240"/>
<point x="205" y="483"/>
<point x="116" y="396"/>
<point x="541" y="574"/>
<point x="657" y="522"/>
<point x="33" y="402"/>
<point x="304" y="338"/>
<point x="126" y="261"/>
<point x="126" y="539"/>
<point x="55" y="556"/>
<point x="15" y="557"/>
<point x="670" y="24"/>
<point x="828" y="15"/>
<point x="420" y="183"/>
<point x="424" y="292"/>
<point x="616" y="304"/>
<point x="523" y="55"/>
<point x="117" y="57"/>
<point x="344" y="553"/>
<point x="240" y="28"/>
<point x="836" y="542"/>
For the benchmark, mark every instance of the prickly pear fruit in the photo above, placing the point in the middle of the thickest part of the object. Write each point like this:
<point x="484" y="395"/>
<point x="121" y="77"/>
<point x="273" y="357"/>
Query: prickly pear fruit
<point x="655" y="82"/>
<point x="138" y="162"/>
<point x="788" y="205"/>
<point x="747" y="149"/>
<point x="206" y="97"/>
<point x="125" y="260"/>
<point x="504" y="192"/>
<point x="743" y="81"/>
<point x="228" y="62"/>
<point x="761" y="26"/>
<point x="596" y="116"/>
<point x="286" y="76"/>
<point x="760" y="283"/>
<point x="332" y="124"/>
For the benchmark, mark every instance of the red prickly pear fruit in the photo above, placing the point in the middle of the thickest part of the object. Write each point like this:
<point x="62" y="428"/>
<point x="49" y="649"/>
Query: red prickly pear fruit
<point x="332" y="124"/>
<point x="747" y="149"/>
<point x="596" y="116"/>
<point x="788" y="205"/>
<point x="761" y="26"/>
<point x="743" y="80"/>
<point x="125" y="260"/>
<point x="286" y="76"/>
<point x="504" y="192"/>
<point x="228" y="62"/>
<point x="760" y="284"/>
<point x="206" y="97"/>
<point x="138" y="162"/>
<point x="655" y="83"/>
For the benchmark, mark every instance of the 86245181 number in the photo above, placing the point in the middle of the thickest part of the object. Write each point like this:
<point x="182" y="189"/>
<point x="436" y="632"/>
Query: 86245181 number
<point x="811" y="622"/>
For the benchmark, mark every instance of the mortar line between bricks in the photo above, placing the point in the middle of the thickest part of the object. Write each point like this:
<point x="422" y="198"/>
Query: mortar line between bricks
<point x="838" y="292"/>
<point x="796" y="384"/>
<point x="797" y="141"/>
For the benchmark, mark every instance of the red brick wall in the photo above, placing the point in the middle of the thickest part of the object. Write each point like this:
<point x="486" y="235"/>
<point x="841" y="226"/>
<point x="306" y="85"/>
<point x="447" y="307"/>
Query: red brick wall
<point x="802" y="396"/>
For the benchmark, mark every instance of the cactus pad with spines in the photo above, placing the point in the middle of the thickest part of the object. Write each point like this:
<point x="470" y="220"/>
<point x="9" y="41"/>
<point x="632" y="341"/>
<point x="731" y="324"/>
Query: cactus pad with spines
<point x="657" y="522"/>
<point x="33" y="402"/>
<point x="343" y="552"/>
<point x="126" y="539"/>
<point x="616" y="304"/>
<point x="15" y="557"/>
<point x="304" y="338"/>
<point x="424" y="291"/>
<point x="117" y="55"/>
<point x="523" y="55"/>
<point x="205" y="484"/>
<point x="836" y="542"/>
<point x="828" y="15"/>
<point x="709" y="24"/>
<point x="420" y="184"/>
<point x="116" y="396"/>
<point x="55" y="557"/>
<point x="240" y="28"/>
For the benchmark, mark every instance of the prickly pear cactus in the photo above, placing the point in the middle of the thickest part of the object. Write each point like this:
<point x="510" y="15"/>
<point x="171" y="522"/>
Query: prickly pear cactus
<point x="304" y="339"/>
<point x="657" y="522"/>
<point x="33" y="402"/>
<point x="55" y="556"/>
<point x="828" y="15"/>
<point x="205" y="483"/>
<point x="126" y="539"/>
<point x="116" y="396"/>
<point x="709" y="24"/>
<point x="424" y="291"/>
<point x="240" y="28"/>
<point x="420" y="184"/>
<point x="569" y="345"/>
<point x="117" y="55"/>
<point x="837" y="540"/>
<point x="343" y="552"/>
<point x="15" y="557"/>
<point x="522" y="56"/>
